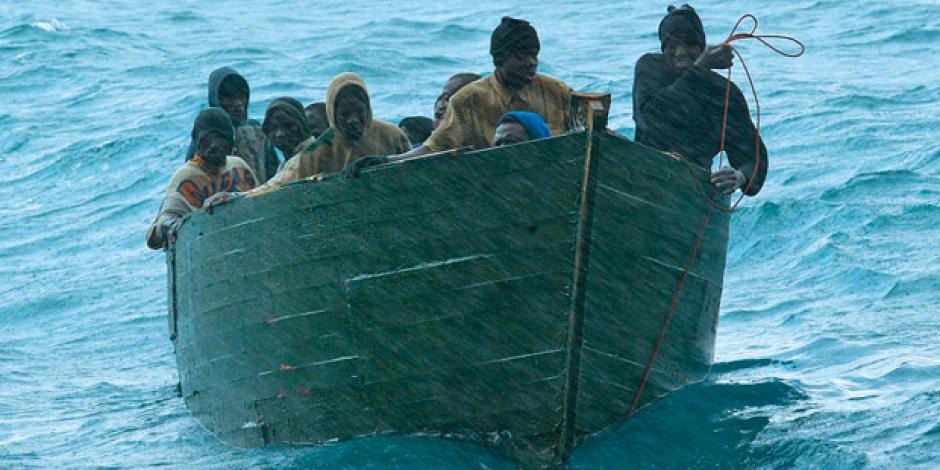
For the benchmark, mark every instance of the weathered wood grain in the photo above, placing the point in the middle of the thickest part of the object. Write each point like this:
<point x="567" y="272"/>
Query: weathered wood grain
<point x="438" y="296"/>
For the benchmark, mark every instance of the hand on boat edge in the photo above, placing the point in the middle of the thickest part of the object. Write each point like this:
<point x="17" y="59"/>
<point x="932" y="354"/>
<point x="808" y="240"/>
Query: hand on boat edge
<point x="352" y="169"/>
<point x="218" y="199"/>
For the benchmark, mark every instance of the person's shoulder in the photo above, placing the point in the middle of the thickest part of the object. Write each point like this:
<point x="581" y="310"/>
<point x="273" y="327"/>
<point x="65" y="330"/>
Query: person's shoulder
<point x="186" y="170"/>
<point x="387" y="127"/>
<point x="236" y="162"/>
<point x="474" y="91"/>
<point x="650" y="60"/>
<point x="552" y="83"/>
<point x="651" y="57"/>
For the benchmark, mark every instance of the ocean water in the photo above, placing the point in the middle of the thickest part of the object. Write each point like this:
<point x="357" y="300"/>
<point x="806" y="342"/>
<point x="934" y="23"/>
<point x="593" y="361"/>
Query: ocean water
<point x="828" y="349"/>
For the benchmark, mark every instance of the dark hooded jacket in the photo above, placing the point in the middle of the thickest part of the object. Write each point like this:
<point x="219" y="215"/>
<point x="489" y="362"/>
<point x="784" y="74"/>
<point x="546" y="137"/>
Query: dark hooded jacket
<point x="250" y="143"/>
<point x="332" y="150"/>
<point x="681" y="110"/>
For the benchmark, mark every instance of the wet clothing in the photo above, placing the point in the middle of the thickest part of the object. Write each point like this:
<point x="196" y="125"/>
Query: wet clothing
<point x="681" y="111"/>
<point x="190" y="186"/>
<point x="474" y="112"/>
<point x="533" y="123"/>
<point x="332" y="151"/>
<point x="250" y="143"/>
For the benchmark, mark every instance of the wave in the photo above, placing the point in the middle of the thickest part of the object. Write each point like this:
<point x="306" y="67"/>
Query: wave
<point x="882" y="184"/>
<point x="715" y="422"/>
<point x="915" y="35"/>
<point x="920" y="286"/>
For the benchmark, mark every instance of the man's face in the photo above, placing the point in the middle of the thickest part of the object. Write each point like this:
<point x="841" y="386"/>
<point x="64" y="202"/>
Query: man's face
<point x="213" y="148"/>
<point x="519" y="68"/>
<point x="318" y="121"/>
<point x="351" y="113"/>
<point x="440" y="106"/>
<point x="509" y="133"/>
<point x="284" y="132"/>
<point x="235" y="105"/>
<point x="680" y="53"/>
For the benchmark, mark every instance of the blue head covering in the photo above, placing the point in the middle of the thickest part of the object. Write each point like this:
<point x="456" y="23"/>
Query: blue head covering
<point x="533" y="123"/>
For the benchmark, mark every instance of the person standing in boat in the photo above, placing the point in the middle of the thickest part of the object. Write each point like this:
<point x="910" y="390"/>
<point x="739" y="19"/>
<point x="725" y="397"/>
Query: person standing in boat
<point x="229" y="90"/>
<point x="474" y="111"/>
<point x="353" y="134"/>
<point x="454" y="84"/>
<point x="678" y="104"/>
<point x="285" y="124"/>
<point x="211" y="170"/>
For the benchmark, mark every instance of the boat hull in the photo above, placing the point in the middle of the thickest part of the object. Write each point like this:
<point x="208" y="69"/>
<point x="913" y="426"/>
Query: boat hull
<point x="511" y="297"/>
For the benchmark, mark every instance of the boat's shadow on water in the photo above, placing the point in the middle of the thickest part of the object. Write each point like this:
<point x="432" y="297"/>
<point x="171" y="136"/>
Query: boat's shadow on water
<point x="709" y="424"/>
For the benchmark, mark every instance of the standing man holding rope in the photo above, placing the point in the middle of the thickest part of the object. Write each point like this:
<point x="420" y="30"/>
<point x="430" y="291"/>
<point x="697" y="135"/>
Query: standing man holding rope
<point x="679" y="105"/>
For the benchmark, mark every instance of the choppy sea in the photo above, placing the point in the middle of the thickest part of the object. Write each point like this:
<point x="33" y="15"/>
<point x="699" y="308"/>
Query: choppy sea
<point x="828" y="349"/>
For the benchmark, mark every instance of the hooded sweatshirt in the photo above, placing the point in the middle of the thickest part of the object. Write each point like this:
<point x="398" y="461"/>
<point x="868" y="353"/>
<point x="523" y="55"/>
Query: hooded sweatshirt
<point x="192" y="183"/>
<point x="294" y="110"/>
<point x="332" y="150"/>
<point x="250" y="143"/>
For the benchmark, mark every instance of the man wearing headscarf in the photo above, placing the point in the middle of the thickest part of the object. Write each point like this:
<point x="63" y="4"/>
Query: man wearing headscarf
<point x="285" y="124"/>
<point x="471" y="117"/>
<point x="678" y="104"/>
<point x="353" y="133"/>
<point x="211" y="170"/>
<point x="520" y="126"/>
<point x="229" y="90"/>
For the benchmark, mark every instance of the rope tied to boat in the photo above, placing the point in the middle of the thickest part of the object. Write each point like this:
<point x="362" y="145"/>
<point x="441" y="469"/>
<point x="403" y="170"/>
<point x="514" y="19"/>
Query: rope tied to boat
<point x="722" y="153"/>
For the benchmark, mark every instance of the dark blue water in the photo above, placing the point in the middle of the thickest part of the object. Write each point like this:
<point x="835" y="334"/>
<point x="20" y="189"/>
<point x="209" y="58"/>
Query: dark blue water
<point x="828" y="352"/>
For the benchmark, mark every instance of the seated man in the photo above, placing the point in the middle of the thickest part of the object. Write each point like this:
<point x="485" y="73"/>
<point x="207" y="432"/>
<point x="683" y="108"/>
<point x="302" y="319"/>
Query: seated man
<point x="678" y="104"/>
<point x="211" y="170"/>
<point x="229" y="90"/>
<point x="471" y="117"/>
<point x="352" y="134"/>
<point x="520" y="126"/>
<point x="285" y="124"/>
<point x="417" y="128"/>
<point x="453" y="85"/>
<point x="316" y="115"/>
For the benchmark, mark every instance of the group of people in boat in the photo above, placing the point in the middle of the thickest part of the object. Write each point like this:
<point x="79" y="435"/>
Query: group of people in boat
<point x="678" y="106"/>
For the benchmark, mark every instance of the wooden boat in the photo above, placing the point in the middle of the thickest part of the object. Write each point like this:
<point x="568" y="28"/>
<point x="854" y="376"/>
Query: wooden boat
<point x="511" y="297"/>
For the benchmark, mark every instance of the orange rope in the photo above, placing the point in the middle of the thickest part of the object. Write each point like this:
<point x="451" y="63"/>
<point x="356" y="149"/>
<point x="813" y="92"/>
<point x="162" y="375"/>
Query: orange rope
<point x="722" y="151"/>
<point x="677" y="295"/>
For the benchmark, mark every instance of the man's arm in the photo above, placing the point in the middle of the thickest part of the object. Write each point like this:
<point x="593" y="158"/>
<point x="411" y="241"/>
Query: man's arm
<point x="164" y="226"/>
<point x="744" y="153"/>
<point x="653" y="91"/>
